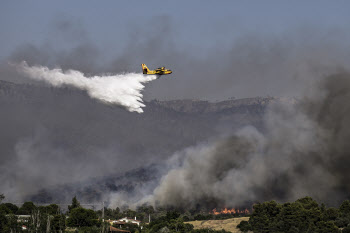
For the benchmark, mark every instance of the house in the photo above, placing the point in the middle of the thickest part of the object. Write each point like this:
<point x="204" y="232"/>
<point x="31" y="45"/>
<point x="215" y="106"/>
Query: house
<point x="120" y="224"/>
<point x="113" y="229"/>
<point x="22" y="218"/>
<point x="130" y="220"/>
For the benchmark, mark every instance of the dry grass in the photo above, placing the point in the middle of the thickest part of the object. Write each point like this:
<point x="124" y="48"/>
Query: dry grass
<point x="227" y="224"/>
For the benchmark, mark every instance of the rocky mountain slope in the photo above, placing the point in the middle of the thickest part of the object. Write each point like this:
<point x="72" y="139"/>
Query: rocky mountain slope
<point x="78" y="144"/>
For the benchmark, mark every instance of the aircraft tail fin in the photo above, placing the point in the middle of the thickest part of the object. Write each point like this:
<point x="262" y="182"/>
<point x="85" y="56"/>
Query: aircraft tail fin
<point x="145" y="69"/>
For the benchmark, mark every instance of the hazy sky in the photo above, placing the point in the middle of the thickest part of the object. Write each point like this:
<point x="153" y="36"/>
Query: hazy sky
<point x="201" y="23"/>
<point x="217" y="50"/>
<point x="198" y="29"/>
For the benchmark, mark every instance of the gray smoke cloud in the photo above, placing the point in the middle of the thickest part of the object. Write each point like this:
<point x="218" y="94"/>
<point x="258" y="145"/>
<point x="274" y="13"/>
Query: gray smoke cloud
<point x="61" y="140"/>
<point x="251" y="65"/>
<point x="52" y="137"/>
<point x="303" y="150"/>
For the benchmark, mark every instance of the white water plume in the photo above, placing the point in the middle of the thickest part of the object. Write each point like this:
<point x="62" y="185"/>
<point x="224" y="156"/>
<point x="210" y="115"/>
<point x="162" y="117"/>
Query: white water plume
<point x="119" y="89"/>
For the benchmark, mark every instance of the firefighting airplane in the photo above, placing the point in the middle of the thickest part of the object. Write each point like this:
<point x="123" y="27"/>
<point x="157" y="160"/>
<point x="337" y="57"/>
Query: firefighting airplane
<point x="159" y="71"/>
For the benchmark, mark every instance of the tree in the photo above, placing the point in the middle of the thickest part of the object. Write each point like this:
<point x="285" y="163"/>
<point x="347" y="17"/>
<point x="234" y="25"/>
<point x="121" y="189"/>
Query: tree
<point x="80" y="217"/>
<point x="75" y="204"/>
<point x="293" y="229"/>
<point x="307" y="203"/>
<point x="38" y="221"/>
<point x="2" y="197"/>
<point x="262" y="216"/>
<point x="111" y="213"/>
<point x="345" y="208"/>
<point x="4" y="209"/>
<point x="179" y="226"/>
<point x="331" y="214"/>
<point x="13" y="208"/>
<point x="342" y="222"/>
<point x="129" y="213"/>
<point x="148" y="209"/>
<point x="303" y="215"/>
<point x="3" y="222"/>
<point x="27" y="208"/>
<point x="290" y="219"/>
<point x="58" y="223"/>
<point x="13" y="224"/>
<point x="172" y="215"/>
<point x="53" y="209"/>
<point x="326" y="227"/>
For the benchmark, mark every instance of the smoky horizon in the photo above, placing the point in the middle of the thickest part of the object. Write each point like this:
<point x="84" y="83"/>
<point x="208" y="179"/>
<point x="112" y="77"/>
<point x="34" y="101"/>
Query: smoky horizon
<point x="78" y="116"/>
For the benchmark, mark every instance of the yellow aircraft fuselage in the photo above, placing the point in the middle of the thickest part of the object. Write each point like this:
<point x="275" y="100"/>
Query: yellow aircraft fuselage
<point x="159" y="71"/>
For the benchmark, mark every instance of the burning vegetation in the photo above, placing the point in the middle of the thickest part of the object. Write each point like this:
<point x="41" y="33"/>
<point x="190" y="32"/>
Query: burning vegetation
<point x="230" y="211"/>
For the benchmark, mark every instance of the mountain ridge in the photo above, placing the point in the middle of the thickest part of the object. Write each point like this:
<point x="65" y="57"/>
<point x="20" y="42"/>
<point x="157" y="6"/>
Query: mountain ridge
<point x="80" y="146"/>
<point x="22" y="91"/>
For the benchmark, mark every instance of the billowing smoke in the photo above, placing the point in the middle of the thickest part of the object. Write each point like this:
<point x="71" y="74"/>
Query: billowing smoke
<point x="121" y="89"/>
<point x="55" y="136"/>
<point x="304" y="150"/>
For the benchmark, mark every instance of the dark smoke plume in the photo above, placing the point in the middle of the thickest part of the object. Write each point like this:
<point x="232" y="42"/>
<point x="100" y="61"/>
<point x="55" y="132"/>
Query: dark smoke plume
<point x="63" y="137"/>
<point x="304" y="150"/>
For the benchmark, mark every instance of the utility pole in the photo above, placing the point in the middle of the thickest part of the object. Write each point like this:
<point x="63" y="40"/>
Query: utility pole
<point x="103" y="217"/>
<point x="103" y="211"/>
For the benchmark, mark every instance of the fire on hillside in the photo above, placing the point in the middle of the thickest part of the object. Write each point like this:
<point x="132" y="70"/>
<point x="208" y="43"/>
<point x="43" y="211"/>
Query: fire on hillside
<point x="230" y="211"/>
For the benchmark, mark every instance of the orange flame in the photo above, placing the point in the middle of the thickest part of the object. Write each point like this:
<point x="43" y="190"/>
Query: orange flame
<point x="230" y="211"/>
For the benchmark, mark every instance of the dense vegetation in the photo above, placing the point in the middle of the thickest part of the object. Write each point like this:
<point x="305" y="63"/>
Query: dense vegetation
<point x="173" y="222"/>
<point x="43" y="219"/>
<point x="303" y="215"/>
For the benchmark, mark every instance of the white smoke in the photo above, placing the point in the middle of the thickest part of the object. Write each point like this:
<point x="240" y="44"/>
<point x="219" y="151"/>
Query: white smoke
<point x="119" y="89"/>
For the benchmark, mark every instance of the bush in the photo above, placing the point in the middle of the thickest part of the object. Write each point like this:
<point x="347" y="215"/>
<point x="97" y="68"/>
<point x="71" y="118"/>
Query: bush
<point x="244" y="226"/>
